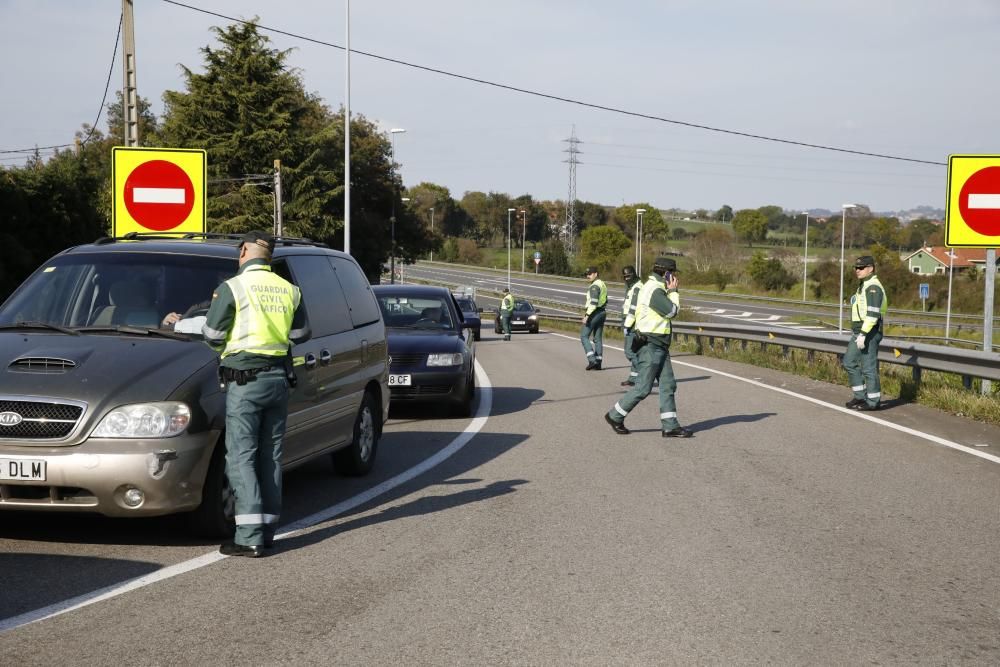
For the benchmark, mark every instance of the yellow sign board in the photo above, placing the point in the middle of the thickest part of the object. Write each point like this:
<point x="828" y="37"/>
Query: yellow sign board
<point x="972" y="216"/>
<point x="158" y="190"/>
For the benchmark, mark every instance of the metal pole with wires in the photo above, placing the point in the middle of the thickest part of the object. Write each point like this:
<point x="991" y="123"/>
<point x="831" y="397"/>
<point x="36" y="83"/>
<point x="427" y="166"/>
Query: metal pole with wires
<point x="130" y="96"/>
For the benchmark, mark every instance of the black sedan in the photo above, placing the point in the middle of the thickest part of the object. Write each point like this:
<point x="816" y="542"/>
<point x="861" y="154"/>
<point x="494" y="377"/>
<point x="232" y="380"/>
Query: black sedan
<point x="470" y="311"/>
<point x="524" y="318"/>
<point x="431" y="351"/>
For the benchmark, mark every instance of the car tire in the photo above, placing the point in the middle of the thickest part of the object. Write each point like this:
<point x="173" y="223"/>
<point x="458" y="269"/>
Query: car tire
<point x="358" y="458"/>
<point x="216" y="516"/>
<point x="535" y="330"/>
<point x="463" y="408"/>
<point x="478" y="334"/>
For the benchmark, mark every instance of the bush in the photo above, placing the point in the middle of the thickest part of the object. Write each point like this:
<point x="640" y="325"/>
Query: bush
<point x="769" y="274"/>
<point x="468" y="252"/>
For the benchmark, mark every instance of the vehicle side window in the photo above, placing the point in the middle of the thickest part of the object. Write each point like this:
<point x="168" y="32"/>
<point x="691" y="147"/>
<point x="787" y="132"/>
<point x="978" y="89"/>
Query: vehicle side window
<point x="364" y="308"/>
<point x="322" y="297"/>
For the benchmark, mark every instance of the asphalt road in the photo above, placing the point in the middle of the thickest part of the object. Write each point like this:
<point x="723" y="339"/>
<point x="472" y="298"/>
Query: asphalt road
<point x="787" y="531"/>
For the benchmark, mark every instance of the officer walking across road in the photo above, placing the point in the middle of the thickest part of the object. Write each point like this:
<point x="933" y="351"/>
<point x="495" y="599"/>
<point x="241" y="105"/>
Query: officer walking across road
<point x="506" y="311"/>
<point x="593" y="320"/>
<point x="632" y="287"/>
<point x="868" y="308"/>
<point x="658" y="303"/>
<point x="251" y="321"/>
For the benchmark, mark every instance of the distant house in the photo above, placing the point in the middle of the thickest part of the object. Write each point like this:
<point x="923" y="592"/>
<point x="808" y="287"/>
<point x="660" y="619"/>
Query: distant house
<point x="931" y="260"/>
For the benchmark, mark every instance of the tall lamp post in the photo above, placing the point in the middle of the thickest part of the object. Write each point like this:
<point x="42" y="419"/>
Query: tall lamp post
<point x="392" y="218"/>
<point x="805" y="258"/>
<point x="638" y="240"/>
<point x="509" y="211"/>
<point x="432" y="233"/>
<point x="524" y="241"/>
<point x="843" y="230"/>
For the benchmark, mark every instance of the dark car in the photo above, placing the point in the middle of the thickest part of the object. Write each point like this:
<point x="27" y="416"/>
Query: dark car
<point x="524" y="318"/>
<point x="432" y="355"/>
<point x="107" y="408"/>
<point x="470" y="311"/>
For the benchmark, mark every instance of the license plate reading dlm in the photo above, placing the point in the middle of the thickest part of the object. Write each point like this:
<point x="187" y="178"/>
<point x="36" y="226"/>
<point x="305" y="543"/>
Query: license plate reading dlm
<point x="29" y="470"/>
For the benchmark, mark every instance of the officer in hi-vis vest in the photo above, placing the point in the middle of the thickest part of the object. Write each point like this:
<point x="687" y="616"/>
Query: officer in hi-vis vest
<point x="251" y="320"/>
<point x="868" y="308"/>
<point x="658" y="304"/>
<point x="632" y="287"/>
<point x="593" y="320"/>
<point x="506" y="311"/>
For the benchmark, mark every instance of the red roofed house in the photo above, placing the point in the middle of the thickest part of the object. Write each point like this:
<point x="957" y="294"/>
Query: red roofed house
<point x="929" y="261"/>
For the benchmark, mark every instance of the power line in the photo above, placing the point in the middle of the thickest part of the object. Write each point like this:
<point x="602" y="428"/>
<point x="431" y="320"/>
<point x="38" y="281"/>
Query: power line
<point x="558" y="98"/>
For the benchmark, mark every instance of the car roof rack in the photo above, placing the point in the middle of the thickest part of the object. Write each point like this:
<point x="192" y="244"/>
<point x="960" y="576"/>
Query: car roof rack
<point x="187" y="236"/>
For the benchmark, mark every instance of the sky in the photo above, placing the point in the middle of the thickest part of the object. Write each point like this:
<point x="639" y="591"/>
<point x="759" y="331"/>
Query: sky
<point x="914" y="79"/>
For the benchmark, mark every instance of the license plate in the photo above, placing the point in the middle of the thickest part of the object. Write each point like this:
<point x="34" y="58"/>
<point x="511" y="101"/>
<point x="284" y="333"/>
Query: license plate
<point x="399" y="381"/>
<point x="518" y="321"/>
<point x="31" y="470"/>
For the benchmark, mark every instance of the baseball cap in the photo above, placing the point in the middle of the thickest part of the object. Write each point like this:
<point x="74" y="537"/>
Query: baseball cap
<point x="260" y="238"/>
<point x="590" y="269"/>
<point x="863" y="261"/>
<point x="666" y="263"/>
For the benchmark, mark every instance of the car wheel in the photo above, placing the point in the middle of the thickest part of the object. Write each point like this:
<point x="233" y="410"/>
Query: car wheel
<point x="358" y="458"/>
<point x="463" y="408"/>
<point x="478" y="334"/>
<point x="216" y="516"/>
<point x="535" y="330"/>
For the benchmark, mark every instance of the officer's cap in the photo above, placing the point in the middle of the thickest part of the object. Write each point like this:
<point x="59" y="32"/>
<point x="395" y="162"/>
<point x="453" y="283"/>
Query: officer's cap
<point x="506" y="291"/>
<point x="665" y="264"/>
<point x="628" y="272"/>
<point x="590" y="270"/>
<point x="260" y="238"/>
<point x="863" y="261"/>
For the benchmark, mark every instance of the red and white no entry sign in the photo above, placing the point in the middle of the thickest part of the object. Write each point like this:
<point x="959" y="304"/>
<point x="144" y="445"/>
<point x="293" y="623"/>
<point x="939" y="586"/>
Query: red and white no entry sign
<point x="979" y="201"/>
<point x="159" y="195"/>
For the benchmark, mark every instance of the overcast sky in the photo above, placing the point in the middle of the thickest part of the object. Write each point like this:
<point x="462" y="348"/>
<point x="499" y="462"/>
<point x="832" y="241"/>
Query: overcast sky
<point x="909" y="78"/>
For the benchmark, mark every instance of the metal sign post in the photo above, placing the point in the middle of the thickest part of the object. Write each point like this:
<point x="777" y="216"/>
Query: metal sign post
<point x="925" y="292"/>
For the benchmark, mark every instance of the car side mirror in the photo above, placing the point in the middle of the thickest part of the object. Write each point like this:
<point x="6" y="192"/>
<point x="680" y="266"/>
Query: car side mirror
<point x="481" y="310"/>
<point x="537" y="311"/>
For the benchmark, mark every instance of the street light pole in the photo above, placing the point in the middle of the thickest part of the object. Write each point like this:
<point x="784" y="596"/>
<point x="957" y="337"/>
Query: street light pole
<point x="392" y="218"/>
<point x="805" y="257"/>
<point x="524" y="229"/>
<point x="843" y="228"/>
<point x="638" y="240"/>
<point x="432" y="233"/>
<point x="509" y="211"/>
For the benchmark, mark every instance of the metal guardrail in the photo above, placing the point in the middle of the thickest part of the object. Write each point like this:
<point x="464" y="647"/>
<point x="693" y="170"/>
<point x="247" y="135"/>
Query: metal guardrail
<point x="918" y="356"/>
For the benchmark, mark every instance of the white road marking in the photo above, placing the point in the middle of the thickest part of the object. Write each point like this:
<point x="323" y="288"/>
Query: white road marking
<point x="984" y="201"/>
<point x="485" y="391"/>
<point x="854" y="413"/>
<point x="158" y="195"/>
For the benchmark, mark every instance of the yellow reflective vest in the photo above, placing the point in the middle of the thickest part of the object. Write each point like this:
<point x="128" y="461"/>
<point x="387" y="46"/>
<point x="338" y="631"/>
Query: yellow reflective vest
<point x="647" y="320"/>
<point x="631" y="299"/>
<point x="508" y="303"/>
<point x="265" y="305"/>
<point x="598" y="300"/>
<point x="869" y="304"/>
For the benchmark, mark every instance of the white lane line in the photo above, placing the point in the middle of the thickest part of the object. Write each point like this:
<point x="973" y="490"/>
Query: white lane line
<point x="478" y="422"/>
<point x="984" y="201"/>
<point x="854" y="413"/>
<point x="158" y="195"/>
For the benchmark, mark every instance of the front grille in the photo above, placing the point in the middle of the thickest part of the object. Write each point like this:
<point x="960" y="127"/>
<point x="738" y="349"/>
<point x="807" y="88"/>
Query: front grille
<point x="420" y="390"/>
<point x="41" y="365"/>
<point x="405" y="360"/>
<point x="41" y="420"/>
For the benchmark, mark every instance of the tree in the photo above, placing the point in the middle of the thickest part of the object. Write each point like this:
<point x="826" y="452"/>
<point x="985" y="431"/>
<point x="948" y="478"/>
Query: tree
<point x="724" y="214"/>
<point x="554" y="260"/>
<point x="768" y="274"/>
<point x="714" y="248"/>
<point x="750" y="225"/>
<point x="653" y="225"/>
<point x="601" y="246"/>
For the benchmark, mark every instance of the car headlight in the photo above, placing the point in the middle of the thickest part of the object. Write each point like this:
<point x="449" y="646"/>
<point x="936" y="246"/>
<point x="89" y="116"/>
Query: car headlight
<point x="453" y="359"/>
<point x="144" y="420"/>
<point x="533" y="317"/>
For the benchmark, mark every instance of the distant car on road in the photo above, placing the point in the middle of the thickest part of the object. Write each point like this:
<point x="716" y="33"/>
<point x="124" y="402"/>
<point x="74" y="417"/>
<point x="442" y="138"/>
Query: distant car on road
<point x="524" y="318"/>
<point x="432" y="355"/>
<point x="470" y="311"/>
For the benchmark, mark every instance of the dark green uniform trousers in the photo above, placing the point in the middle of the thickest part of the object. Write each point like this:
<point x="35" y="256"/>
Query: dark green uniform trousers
<point x="632" y="357"/>
<point x="594" y="328"/>
<point x="255" y="425"/>
<point x="654" y="362"/>
<point x="862" y="368"/>
<point x="505" y="324"/>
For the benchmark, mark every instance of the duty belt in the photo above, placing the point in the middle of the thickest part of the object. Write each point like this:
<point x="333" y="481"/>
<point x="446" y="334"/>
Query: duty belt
<point x="240" y="377"/>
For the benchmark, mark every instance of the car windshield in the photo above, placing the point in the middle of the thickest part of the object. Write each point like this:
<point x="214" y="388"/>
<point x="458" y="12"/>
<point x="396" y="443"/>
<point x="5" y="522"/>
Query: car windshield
<point x="522" y="305"/>
<point x="117" y="289"/>
<point x="467" y="306"/>
<point x="408" y="312"/>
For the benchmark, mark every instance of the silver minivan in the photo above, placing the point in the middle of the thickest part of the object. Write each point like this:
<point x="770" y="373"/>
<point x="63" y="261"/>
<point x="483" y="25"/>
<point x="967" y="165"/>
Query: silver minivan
<point x="106" y="408"/>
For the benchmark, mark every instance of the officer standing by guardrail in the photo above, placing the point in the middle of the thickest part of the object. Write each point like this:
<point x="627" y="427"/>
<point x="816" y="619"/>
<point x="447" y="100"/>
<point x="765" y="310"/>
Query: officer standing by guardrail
<point x="632" y="287"/>
<point x="868" y="307"/>
<point x="506" y="310"/>
<point x="593" y="321"/>
<point x="658" y="303"/>
<point x="251" y="319"/>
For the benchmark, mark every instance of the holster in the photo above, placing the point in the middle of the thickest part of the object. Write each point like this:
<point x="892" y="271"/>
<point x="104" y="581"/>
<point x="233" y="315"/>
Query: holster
<point x="290" y="369"/>
<point x="639" y="341"/>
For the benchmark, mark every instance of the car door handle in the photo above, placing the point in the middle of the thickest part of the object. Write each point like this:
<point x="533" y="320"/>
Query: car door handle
<point x="325" y="357"/>
<point x="310" y="361"/>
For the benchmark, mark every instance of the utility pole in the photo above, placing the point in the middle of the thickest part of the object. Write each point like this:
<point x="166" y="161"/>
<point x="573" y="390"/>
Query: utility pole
<point x="569" y="229"/>
<point x="278" y="227"/>
<point x="130" y="96"/>
<point x="347" y="132"/>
